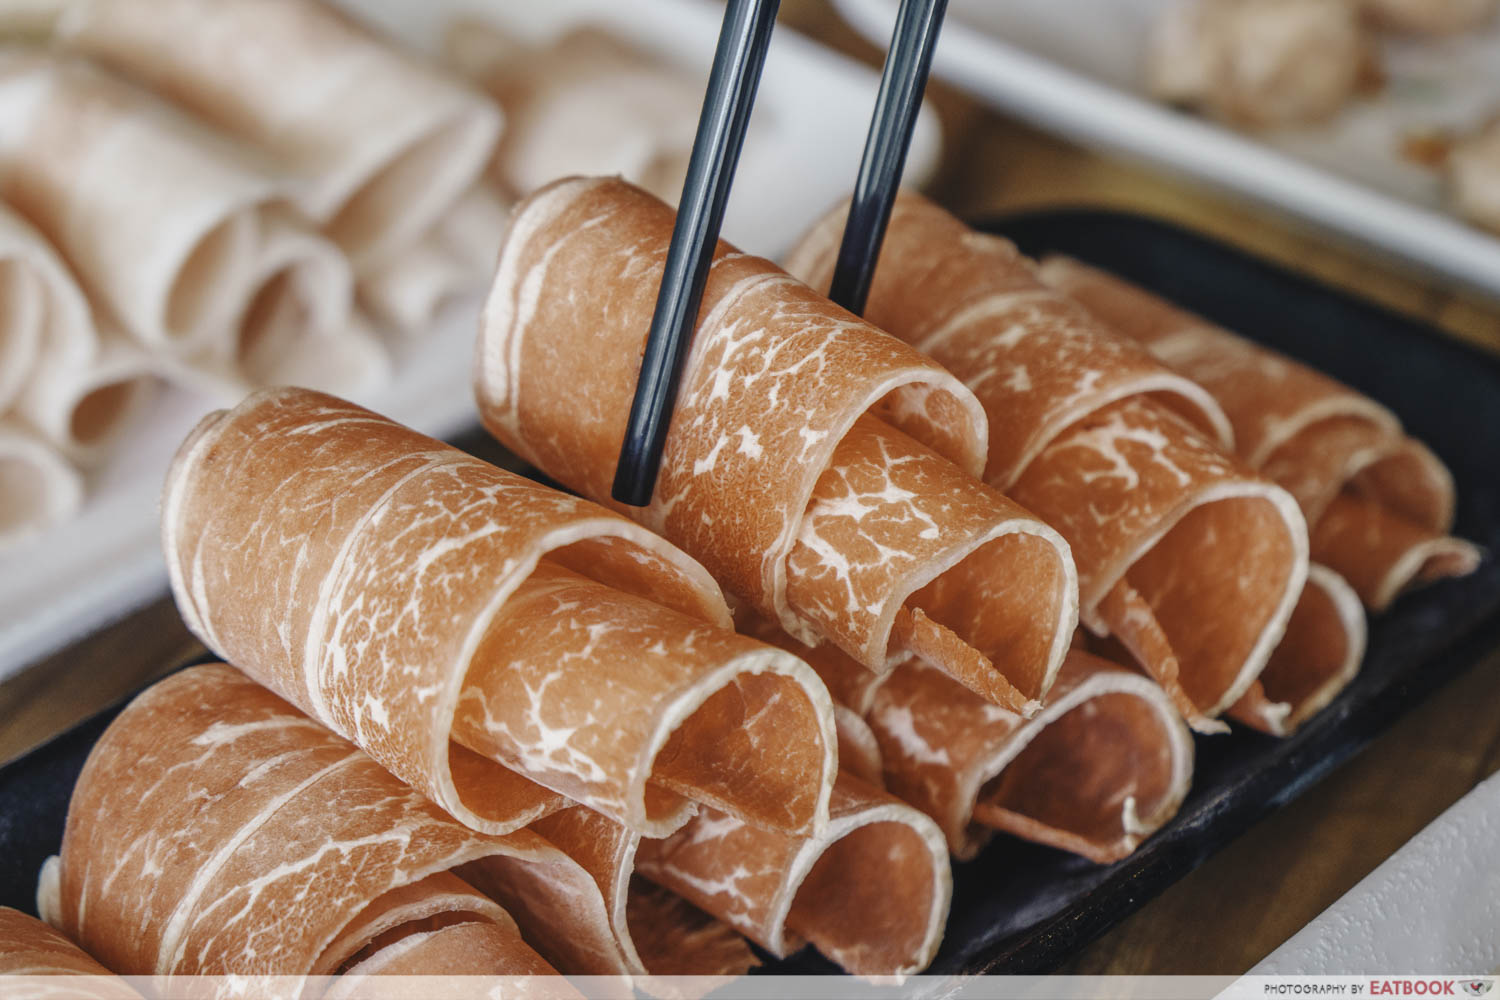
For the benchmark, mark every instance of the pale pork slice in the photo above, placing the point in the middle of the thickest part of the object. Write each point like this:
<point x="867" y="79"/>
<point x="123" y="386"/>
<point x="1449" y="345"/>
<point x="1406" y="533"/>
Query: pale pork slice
<point x="161" y="219"/>
<point x="820" y="469"/>
<point x="38" y="963"/>
<point x="1473" y="168"/>
<point x="871" y="892"/>
<point x="1261" y="63"/>
<point x="1379" y="504"/>
<point x="1119" y="453"/>
<point x="47" y="321"/>
<point x="381" y="143"/>
<point x="480" y="634"/>
<point x="584" y="102"/>
<point x="39" y="487"/>
<point x="84" y="406"/>
<point x="217" y="831"/>
<point x="59" y="376"/>
<point x="1430" y="17"/>
<point x="410" y="289"/>
<point x="297" y="324"/>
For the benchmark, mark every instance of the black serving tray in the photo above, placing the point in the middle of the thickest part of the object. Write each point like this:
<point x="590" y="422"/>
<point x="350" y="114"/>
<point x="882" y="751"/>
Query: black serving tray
<point x="1021" y="908"/>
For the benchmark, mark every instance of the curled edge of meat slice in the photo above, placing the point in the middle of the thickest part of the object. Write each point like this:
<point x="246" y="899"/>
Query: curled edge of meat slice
<point x="1204" y="641"/>
<point x="1105" y="764"/>
<point x="871" y="892"/>
<point x="1279" y="407"/>
<point x="660" y="936"/>
<point x="1319" y="654"/>
<point x="902" y="554"/>
<point x="362" y="545"/>
<point x="807" y="377"/>
<point x="1380" y="504"/>
<point x="37" y="961"/>
<point x="980" y="308"/>
<point x="1044" y="370"/>
<point x="943" y="749"/>
<point x="942" y="277"/>
<point x="947" y="752"/>
<point x="1382" y="554"/>
<point x="215" y="830"/>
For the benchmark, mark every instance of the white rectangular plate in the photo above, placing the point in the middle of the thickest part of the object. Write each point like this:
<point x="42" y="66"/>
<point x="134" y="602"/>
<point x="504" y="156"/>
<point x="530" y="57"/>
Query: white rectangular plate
<point x="814" y="107"/>
<point x="1075" y="68"/>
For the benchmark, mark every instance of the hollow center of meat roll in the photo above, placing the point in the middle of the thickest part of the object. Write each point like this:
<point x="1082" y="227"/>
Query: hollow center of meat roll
<point x="1087" y="775"/>
<point x="389" y="938"/>
<point x="588" y="689"/>
<point x="902" y="553"/>
<point x="1212" y="584"/>
<point x="21" y="299"/>
<point x="195" y="301"/>
<point x="675" y="938"/>
<point x="868" y="901"/>
<point x="25" y="493"/>
<point x="1314" y="652"/>
<point x="101" y="409"/>
<point x="398" y="196"/>
<point x="392" y="923"/>
<point x="1383" y="554"/>
<point x="274" y="310"/>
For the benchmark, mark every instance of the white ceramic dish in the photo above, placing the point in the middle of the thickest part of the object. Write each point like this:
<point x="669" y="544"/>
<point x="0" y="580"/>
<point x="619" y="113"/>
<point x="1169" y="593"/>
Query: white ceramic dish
<point x="1075" y="68"/>
<point x="1432" y="907"/>
<point x="815" y="107"/>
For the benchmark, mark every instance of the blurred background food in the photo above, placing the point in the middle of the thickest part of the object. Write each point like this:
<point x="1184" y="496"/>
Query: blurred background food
<point x="200" y="198"/>
<point x="1278" y="63"/>
<point x="1317" y="109"/>
<point x="1260" y="62"/>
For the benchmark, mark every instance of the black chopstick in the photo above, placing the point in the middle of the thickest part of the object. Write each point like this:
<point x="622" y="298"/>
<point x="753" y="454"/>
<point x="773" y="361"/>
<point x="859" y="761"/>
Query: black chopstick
<point x="902" y="82"/>
<point x="738" y="60"/>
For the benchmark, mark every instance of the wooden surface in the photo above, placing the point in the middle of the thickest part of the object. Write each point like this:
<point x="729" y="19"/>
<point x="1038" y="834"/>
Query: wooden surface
<point x="1239" y="906"/>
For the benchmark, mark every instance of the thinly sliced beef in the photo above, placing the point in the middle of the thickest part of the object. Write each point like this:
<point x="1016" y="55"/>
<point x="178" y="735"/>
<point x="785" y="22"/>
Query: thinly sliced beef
<point x="1186" y="557"/>
<point x="500" y="645"/>
<point x="820" y="469"/>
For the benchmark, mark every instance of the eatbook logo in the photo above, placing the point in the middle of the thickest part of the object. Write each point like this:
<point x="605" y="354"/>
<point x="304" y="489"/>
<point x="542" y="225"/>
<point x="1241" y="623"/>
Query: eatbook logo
<point x="1477" y="987"/>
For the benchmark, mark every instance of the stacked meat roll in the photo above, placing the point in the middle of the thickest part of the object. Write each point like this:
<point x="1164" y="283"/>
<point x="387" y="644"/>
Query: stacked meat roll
<point x="479" y="634"/>
<point x="56" y="398"/>
<point x="529" y="660"/>
<point x="38" y="963"/>
<point x="1379" y="503"/>
<point x="821" y="470"/>
<point x="229" y="191"/>
<point x="871" y="892"/>
<point x="1185" y="557"/>
<point x="217" y="831"/>
<point x="196" y="260"/>
<point x="382" y="144"/>
<point x="1099" y="769"/>
<point x="385" y="151"/>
